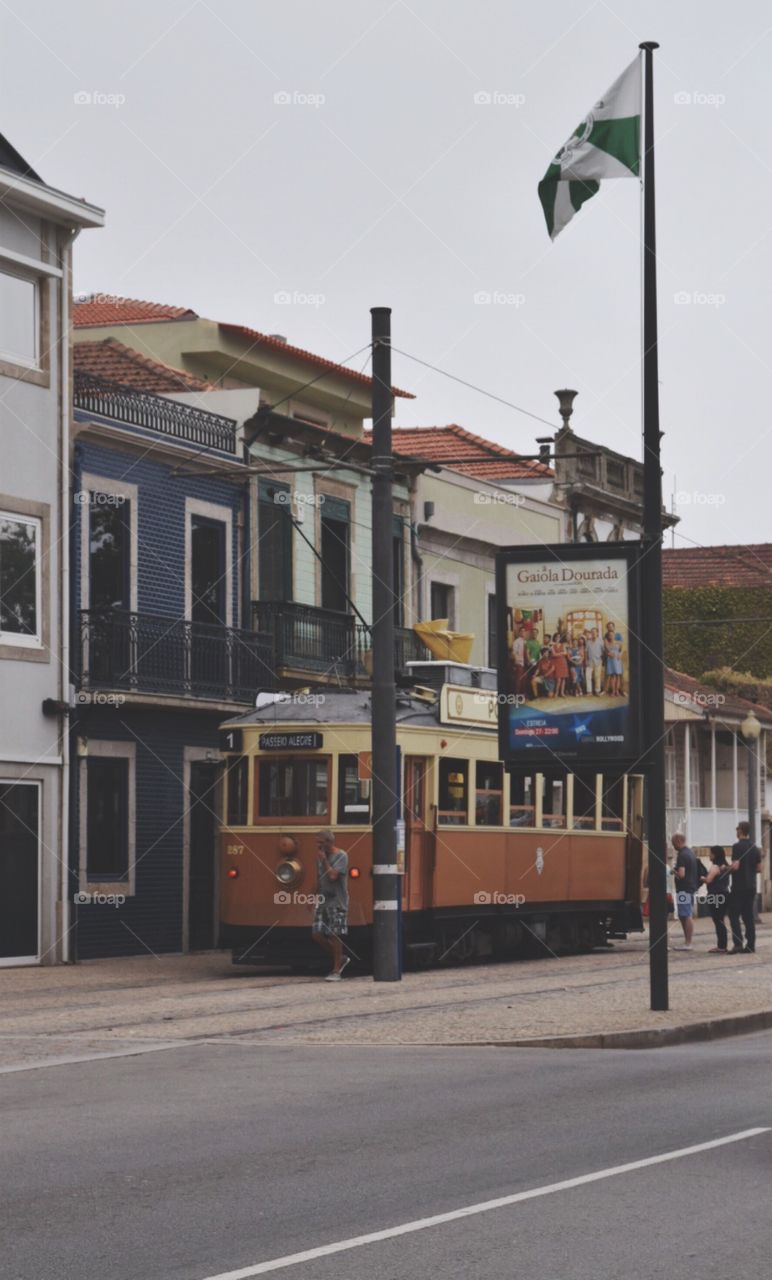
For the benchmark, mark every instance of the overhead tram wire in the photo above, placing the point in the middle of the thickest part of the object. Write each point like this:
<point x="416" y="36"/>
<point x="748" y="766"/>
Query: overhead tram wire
<point x="490" y="395"/>
<point x="480" y="390"/>
<point x="292" y="394"/>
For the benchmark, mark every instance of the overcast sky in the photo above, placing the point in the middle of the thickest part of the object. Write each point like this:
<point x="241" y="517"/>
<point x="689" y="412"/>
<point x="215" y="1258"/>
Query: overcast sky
<point x="336" y="153"/>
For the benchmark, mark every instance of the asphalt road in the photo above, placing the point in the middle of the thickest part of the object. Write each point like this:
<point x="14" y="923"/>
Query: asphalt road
<point x="199" y="1161"/>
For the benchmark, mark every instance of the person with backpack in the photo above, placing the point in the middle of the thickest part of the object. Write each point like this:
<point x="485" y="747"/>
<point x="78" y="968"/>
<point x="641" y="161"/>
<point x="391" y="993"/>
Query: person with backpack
<point x="717" y="883"/>
<point x="746" y="860"/>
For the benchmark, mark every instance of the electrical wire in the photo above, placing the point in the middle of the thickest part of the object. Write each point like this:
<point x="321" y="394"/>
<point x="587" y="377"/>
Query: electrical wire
<point x="481" y="390"/>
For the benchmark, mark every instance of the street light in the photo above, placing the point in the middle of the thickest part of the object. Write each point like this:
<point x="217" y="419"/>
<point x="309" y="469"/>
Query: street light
<point x="750" y="730"/>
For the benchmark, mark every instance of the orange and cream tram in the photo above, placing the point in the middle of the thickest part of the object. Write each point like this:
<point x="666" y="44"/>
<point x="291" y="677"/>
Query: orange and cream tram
<point x="495" y="863"/>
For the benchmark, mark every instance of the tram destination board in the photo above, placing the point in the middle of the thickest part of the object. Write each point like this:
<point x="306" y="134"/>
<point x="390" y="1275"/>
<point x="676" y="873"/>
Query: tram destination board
<point x="568" y="670"/>
<point x="290" y="741"/>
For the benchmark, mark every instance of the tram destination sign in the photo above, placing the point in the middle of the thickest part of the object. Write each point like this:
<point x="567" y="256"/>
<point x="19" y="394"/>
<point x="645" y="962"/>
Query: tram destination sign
<point x="290" y="741"/>
<point x="568" y="654"/>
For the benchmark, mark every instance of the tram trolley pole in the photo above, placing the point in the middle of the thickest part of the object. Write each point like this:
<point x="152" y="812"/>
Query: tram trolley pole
<point x="387" y="960"/>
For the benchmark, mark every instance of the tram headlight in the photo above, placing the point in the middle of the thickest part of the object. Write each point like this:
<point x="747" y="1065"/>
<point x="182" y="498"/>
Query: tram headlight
<point x="289" y="871"/>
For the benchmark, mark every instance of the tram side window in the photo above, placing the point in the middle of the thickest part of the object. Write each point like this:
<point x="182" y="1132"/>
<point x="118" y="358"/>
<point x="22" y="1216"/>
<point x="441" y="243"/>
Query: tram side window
<point x="452" y="809"/>
<point x="522" y="807"/>
<point x="489" y="793"/>
<point x="236" y="791"/>
<point x="294" y="788"/>
<point x="584" y="801"/>
<point x="353" y="792"/>
<point x="553" y="804"/>
<point x="612" y="804"/>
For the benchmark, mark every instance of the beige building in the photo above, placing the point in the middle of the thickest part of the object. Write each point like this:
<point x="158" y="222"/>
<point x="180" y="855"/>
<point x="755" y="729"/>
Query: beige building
<point x="473" y="498"/>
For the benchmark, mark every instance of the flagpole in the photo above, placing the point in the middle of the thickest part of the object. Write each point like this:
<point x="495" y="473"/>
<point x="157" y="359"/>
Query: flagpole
<point x="652" y="667"/>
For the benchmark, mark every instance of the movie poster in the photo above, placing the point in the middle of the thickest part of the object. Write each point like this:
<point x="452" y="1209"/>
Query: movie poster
<point x="567" y="678"/>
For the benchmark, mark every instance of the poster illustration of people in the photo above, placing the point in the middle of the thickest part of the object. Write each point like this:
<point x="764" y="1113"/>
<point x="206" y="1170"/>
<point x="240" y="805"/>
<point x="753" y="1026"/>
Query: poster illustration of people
<point x="567" y="664"/>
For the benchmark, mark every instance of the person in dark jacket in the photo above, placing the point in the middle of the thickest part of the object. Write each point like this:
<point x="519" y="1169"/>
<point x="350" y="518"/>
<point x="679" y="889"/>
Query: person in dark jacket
<point x="717" y="885"/>
<point x="746" y="860"/>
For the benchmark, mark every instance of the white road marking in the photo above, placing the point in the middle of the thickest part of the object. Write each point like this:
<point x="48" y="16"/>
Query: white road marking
<point x="421" y="1224"/>
<point x="67" y="1060"/>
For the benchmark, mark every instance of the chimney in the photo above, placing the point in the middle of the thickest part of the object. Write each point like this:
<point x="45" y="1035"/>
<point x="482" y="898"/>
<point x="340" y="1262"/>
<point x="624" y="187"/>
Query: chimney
<point x="566" y="402"/>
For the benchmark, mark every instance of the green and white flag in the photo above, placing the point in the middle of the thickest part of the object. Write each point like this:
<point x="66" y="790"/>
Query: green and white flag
<point x="607" y="144"/>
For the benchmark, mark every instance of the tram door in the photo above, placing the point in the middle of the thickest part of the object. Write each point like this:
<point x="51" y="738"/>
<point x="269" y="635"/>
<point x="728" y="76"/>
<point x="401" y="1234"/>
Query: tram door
<point x="417" y="887"/>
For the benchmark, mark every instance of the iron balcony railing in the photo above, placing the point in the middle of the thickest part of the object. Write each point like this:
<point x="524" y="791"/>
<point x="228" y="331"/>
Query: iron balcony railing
<point x="154" y="413"/>
<point x="324" y="641"/>
<point x="305" y="638"/>
<point x="148" y="653"/>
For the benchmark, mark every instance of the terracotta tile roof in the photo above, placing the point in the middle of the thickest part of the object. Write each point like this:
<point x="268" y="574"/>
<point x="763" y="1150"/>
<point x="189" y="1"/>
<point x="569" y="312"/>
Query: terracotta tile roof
<point x="461" y="450"/>
<point x="702" y="697"/>
<point x="111" y="360"/>
<point x="733" y="566"/>
<point x="273" y="343"/>
<point x="106" y="308"/>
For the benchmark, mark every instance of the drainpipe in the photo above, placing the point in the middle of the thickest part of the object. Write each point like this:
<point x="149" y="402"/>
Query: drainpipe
<point x="418" y="561"/>
<point x="65" y="290"/>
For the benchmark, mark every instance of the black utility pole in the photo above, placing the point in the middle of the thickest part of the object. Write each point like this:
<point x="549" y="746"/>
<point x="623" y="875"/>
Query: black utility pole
<point x="385" y="794"/>
<point x="652" y="672"/>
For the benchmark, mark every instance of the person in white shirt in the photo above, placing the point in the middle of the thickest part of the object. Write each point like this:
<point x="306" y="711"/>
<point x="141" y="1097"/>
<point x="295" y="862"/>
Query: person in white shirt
<point x="594" y="663"/>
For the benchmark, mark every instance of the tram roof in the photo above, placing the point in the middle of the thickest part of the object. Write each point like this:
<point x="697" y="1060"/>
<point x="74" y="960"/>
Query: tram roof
<point x="339" y="706"/>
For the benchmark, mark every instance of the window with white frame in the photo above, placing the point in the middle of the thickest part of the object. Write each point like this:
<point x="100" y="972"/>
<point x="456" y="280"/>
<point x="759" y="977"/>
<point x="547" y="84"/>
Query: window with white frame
<point x="19" y="319"/>
<point x="20" y="585"/>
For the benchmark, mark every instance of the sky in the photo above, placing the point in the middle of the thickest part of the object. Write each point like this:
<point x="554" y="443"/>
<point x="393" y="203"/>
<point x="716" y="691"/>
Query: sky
<point x="290" y="166"/>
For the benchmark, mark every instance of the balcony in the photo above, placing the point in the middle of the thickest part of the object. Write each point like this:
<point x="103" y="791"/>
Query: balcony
<point x="145" y="653"/>
<point x="142" y="409"/>
<point x="325" y="643"/>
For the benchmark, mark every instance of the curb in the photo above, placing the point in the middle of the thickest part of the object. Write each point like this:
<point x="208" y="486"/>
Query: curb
<point x="650" y="1037"/>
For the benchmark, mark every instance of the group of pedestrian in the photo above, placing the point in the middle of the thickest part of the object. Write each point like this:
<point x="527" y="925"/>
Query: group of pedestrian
<point x="731" y="891"/>
<point x="563" y="666"/>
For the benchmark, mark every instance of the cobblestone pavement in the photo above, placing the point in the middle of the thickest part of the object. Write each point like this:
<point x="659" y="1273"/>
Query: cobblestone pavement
<point x="145" y="1003"/>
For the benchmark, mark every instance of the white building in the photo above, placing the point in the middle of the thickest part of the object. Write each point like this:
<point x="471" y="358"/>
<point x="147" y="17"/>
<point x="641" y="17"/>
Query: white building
<point x="38" y="226"/>
<point x="706" y="764"/>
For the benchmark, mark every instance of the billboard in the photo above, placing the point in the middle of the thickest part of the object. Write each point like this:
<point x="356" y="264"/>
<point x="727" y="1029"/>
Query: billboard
<point x="568" y="669"/>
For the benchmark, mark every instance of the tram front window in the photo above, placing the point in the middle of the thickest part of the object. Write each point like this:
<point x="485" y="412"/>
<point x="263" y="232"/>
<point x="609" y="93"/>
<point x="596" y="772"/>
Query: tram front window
<point x="353" y="791"/>
<point x="236" y="809"/>
<point x="296" y="788"/>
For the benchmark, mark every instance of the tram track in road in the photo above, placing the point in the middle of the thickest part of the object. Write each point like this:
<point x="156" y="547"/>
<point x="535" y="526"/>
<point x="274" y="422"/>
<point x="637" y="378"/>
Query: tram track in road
<point x="469" y="996"/>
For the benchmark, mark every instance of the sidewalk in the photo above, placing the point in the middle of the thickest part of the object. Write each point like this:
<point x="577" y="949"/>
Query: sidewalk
<point x="141" y="1003"/>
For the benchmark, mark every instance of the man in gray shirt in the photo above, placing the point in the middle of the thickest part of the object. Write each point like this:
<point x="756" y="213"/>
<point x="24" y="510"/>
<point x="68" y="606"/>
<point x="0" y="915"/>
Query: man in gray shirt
<point x="331" y="916"/>
<point x="686" y="876"/>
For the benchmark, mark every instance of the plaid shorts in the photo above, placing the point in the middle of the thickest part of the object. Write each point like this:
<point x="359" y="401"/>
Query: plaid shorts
<point x="330" y="920"/>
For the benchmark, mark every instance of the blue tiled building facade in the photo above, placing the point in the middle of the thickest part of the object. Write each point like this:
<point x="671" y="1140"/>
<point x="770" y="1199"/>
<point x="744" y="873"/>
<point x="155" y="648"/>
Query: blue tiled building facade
<point x="162" y="654"/>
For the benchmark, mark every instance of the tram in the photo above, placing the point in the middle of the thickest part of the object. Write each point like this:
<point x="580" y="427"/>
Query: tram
<point x="495" y="864"/>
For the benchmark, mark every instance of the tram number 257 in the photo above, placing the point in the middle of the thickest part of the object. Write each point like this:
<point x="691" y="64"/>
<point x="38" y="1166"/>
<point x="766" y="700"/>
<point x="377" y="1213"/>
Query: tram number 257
<point x="233" y="850"/>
